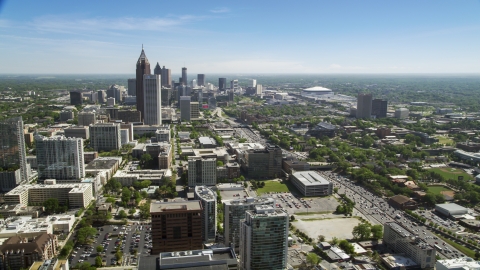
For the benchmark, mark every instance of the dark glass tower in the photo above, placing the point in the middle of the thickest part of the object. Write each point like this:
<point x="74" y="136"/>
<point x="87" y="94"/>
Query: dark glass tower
<point x="157" y="70"/>
<point x="222" y="84"/>
<point x="201" y="79"/>
<point x="12" y="154"/>
<point x="184" y="76"/>
<point x="143" y="67"/>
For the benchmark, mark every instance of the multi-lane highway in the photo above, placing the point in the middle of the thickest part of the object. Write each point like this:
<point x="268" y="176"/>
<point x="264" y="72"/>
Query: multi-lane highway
<point x="378" y="211"/>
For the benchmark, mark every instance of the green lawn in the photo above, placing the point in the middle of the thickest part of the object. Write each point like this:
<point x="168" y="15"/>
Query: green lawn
<point x="444" y="140"/>
<point x="437" y="189"/>
<point x="452" y="173"/>
<point x="272" y="186"/>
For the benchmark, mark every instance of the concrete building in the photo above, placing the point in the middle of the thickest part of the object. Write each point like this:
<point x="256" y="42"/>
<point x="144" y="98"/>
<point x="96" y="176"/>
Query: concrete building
<point x="77" y="132"/>
<point x="462" y="263"/>
<point x="12" y="154"/>
<point x="234" y="213"/>
<point x="86" y="118"/>
<point x="157" y="177"/>
<point x="259" y="90"/>
<point x="20" y="253"/>
<point x="317" y="91"/>
<point x="184" y="76"/>
<point x="208" y="199"/>
<point x="163" y="134"/>
<point x="66" y="115"/>
<point x="76" y="195"/>
<point x="234" y="86"/>
<point x="102" y="96"/>
<point x="129" y="116"/>
<point x="401" y="241"/>
<point x="60" y="158"/>
<point x="471" y="156"/>
<point x="166" y="77"/>
<point x="111" y="101"/>
<point x="185" y="108"/>
<point x="202" y="171"/>
<point x="263" y="163"/>
<point x="402" y="113"/>
<point x="310" y="183"/>
<point x="264" y="238"/>
<point x="132" y="87"/>
<point x="364" y="106"/>
<point x="176" y="226"/>
<point x="105" y="136"/>
<point x="451" y="210"/>
<point x="216" y="258"/>
<point x="207" y="142"/>
<point x="152" y="100"/>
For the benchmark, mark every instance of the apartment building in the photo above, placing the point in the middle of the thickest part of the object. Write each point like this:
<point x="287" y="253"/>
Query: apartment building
<point x="105" y="136"/>
<point x="202" y="171"/>
<point x="208" y="199"/>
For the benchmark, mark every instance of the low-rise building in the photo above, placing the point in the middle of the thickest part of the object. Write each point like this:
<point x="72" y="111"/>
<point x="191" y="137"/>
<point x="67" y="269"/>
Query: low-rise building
<point x="207" y="142"/>
<point x="310" y="183"/>
<point x="217" y="258"/>
<point x="20" y="253"/>
<point x="402" y="202"/>
<point x="157" y="177"/>
<point x="451" y="210"/>
<point x="461" y="263"/>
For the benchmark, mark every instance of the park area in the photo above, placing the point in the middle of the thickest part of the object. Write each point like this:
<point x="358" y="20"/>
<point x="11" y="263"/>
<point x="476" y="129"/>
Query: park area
<point x="452" y="173"/>
<point x="340" y="228"/>
<point x="273" y="186"/>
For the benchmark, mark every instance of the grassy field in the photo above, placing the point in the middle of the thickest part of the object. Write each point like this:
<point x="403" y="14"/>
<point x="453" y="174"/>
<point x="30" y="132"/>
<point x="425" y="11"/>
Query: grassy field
<point x="273" y="186"/>
<point x="444" y="140"/>
<point x="437" y="189"/>
<point x="452" y="173"/>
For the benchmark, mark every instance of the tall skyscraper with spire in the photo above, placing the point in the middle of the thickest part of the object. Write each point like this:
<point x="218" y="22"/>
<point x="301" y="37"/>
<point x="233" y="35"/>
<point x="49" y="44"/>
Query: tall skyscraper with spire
<point x="143" y="68"/>
<point x="157" y="70"/>
<point x="184" y="76"/>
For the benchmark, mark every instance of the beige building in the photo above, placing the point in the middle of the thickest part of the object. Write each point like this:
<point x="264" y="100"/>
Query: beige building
<point x="76" y="195"/>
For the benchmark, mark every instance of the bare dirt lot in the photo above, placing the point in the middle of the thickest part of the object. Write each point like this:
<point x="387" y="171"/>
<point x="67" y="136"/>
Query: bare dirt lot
<point x="336" y="227"/>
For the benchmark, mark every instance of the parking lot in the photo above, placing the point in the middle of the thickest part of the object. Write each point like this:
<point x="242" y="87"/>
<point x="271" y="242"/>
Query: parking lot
<point x="128" y="237"/>
<point x="294" y="205"/>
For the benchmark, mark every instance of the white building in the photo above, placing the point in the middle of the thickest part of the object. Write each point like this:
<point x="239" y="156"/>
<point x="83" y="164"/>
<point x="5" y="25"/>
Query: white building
<point x="462" y="263"/>
<point x="451" y="209"/>
<point x="316" y="91"/>
<point x="402" y="113"/>
<point x="76" y="195"/>
<point x="208" y="199"/>
<point x="234" y="85"/>
<point x="59" y="157"/>
<point x="234" y="212"/>
<point x="152" y="99"/>
<point x="259" y="89"/>
<point x="264" y="239"/>
<point x="202" y="171"/>
<point x="124" y="134"/>
<point x="253" y="83"/>
<point x="401" y="241"/>
<point x="310" y="183"/>
<point x="105" y="136"/>
<point x="163" y="134"/>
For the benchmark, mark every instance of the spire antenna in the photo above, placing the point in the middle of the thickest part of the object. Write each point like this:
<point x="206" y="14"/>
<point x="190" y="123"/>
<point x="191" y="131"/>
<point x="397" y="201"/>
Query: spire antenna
<point x="142" y="46"/>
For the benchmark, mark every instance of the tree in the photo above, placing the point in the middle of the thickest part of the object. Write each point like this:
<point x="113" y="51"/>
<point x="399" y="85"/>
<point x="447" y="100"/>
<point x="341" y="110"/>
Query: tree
<point x="313" y="259"/>
<point x="122" y="214"/>
<point x="98" y="261"/>
<point x="334" y="241"/>
<point x="219" y="163"/>
<point x="292" y="218"/>
<point x="321" y="238"/>
<point x="347" y="247"/>
<point x="361" y="231"/>
<point x="118" y="255"/>
<point x="99" y="249"/>
<point x="110" y="200"/>
<point x="51" y="205"/>
<point x="84" y="234"/>
<point x="377" y="231"/>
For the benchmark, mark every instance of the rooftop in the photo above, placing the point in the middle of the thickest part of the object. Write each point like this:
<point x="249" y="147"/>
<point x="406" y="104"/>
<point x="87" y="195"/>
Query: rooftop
<point x="395" y="261"/>
<point x="317" y="89"/>
<point x="205" y="193"/>
<point x="158" y="207"/>
<point x="451" y="207"/>
<point x="310" y="178"/>
<point x="77" y="187"/>
<point x="460" y="263"/>
<point x="250" y="200"/>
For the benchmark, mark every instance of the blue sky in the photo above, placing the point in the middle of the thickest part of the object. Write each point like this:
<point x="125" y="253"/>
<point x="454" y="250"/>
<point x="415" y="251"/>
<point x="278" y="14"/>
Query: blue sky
<point x="105" y="36"/>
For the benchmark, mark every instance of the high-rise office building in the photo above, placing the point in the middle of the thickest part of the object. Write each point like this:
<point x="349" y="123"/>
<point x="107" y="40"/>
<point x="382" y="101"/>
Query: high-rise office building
<point x="152" y="100"/>
<point x="184" y="76"/>
<point x="264" y="163"/>
<point x="176" y="226"/>
<point x="143" y="67"/>
<point x="166" y="96"/>
<point x="166" y="77"/>
<point x="234" y="85"/>
<point x="222" y="84"/>
<point x="194" y="110"/>
<point x="157" y="70"/>
<point x="116" y="92"/>
<point x="234" y="213"/>
<point x="60" y="158"/>
<point x="102" y="96"/>
<point x="379" y="108"/>
<point x="105" y="136"/>
<point x="253" y="83"/>
<point x="194" y="83"/>
<point x="201" y="79"/>
<point x="12" y="154"/>
<point x="364" y="106"/>
<point x="202" y="171"/>
<point x="185" y="112"/>
<point x="132" y="87"/>
<point x="208" y="199"/>
<point x="259" y="89"/>
<point x="264" y="239"/>
<point x="76" y="98"/>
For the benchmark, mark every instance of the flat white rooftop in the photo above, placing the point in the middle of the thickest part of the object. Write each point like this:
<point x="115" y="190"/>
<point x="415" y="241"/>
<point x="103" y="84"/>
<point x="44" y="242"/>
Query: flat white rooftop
<point x="310" y="178"/>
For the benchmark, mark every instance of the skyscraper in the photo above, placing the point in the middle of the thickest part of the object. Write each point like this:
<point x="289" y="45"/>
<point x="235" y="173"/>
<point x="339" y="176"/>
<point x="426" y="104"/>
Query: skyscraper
<point x="253" y="83"/>
<point x="102" y="96"/>
<point x="143" y="67"/>
<point x="364" y="106"/>
<point x="202" y="171"/>
<point x="264" y="239"/>
<point x="105" y="136"/>
<point x="208" y="199"/>
<point x="60" y="158"/>
<point x="152" y="100"/>
<point x="234" y="85"/>
<point x="132" y="87"/>
<point x="12" y="154"/>
<point x="379" y="108"/>
<point x="222" y="84"/>
<point x="185" y="108"/>
<point x="201" y="79"/>
<point x="76" y="98"/>
<point x="184" y="76"/>
<point x="157" y="70"/>
<point x="166" y="77"/>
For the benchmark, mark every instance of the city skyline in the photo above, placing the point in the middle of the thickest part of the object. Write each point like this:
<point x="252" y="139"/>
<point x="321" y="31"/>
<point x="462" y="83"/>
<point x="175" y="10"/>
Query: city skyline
<point x="246" y="37"/>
